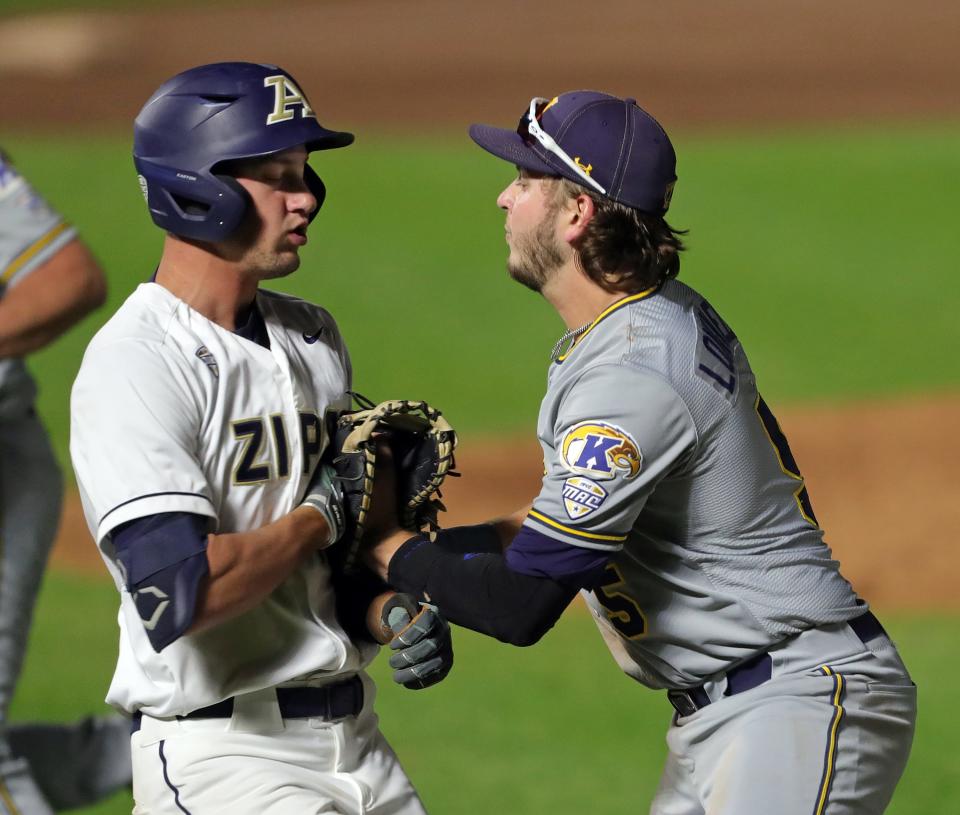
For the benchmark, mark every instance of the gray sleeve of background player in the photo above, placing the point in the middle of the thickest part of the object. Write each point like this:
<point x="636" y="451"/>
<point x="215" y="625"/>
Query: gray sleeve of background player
<point x="617" y="433"/>
<point x="31" y="232"/>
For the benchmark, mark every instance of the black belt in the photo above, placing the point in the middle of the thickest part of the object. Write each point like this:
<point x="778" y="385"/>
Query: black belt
<point x="328" y="702"/>
<point x="757" y="670"/>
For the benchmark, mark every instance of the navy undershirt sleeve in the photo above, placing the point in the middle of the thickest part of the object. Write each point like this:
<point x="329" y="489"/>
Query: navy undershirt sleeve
<point x="530" y="552"/>
<point x="539" y="555"/>
<point x="164" y="561"/>
<point x="465" y="573"/>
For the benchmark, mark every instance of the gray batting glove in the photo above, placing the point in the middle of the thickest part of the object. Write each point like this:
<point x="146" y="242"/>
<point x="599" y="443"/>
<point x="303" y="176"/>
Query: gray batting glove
<point x="325" y="495"/>
<point x="422" y="645"/>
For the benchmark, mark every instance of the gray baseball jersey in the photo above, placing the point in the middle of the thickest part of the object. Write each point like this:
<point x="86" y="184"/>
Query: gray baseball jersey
<point x="42" y="766"/>
<point x="658" y="448"/>
<point x="30" y="234"/>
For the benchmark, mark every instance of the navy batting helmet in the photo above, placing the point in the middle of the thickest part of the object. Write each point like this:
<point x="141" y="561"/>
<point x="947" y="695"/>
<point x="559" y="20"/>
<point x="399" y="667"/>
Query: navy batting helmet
<point x="211" y="114"/>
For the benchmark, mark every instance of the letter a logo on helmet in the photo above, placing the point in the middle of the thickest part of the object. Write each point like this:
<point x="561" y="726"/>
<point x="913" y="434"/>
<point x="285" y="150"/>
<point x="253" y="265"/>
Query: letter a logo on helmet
<point x="209" y="115"/>
<point x="286" y="96"/>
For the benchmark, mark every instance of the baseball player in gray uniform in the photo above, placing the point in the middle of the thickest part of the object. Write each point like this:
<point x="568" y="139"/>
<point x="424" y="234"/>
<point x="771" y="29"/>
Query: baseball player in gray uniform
<point x="48" y="281"/>
<point x="198" y="424"/>
<point x="670" y="499"/>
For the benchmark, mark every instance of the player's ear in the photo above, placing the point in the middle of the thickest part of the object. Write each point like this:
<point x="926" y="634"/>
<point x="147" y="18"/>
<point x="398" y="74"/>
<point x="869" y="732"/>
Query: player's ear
<point x="579" y="212"/>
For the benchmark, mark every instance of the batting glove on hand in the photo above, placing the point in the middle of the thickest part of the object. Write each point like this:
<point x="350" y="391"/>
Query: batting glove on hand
<point x="325" y="494"/>
<point x="423" y="650"/>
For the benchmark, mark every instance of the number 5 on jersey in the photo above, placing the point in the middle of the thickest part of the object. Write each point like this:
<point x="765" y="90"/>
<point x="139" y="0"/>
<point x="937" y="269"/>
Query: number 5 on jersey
<point x="622" y="610"/>
<point x="787" y="462"/>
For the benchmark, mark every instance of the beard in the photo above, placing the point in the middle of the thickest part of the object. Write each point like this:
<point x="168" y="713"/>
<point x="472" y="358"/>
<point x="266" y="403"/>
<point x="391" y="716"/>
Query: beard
<point x="265" y="262"/>
<point x="264" y="258"/>
<point x="273" y="265"/>
<point x="537" y="256"/>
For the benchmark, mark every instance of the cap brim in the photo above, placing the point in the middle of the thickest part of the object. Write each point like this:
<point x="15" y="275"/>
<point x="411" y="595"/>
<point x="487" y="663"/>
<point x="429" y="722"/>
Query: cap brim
<point x="510" y="146"/>
<point x="330" y="139"/>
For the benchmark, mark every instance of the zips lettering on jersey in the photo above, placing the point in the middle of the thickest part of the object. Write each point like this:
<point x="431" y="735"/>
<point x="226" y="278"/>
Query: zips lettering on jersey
<point x="253" y="465"/>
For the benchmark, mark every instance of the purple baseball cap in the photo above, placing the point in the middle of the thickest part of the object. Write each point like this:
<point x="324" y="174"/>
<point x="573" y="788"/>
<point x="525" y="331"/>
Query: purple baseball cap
<point x="600" y="141"/>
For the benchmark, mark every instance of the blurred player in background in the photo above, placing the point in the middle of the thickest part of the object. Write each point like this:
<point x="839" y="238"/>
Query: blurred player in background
<point x="670" y="498"/>
<point x="48" y="281"/>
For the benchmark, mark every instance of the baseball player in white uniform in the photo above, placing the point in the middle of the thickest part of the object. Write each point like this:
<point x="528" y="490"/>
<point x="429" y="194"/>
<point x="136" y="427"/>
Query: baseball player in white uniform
<point x="670" y="498"/>
<point x="48" y="281"/>
<point x="198" y="424"/>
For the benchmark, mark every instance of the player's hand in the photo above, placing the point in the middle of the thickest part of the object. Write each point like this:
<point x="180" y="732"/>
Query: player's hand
<point x="422" y="645"/>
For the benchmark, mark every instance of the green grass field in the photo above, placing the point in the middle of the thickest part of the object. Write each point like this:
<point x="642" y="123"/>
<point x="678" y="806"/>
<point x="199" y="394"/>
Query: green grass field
<point x="551" y="729"/>
<point x="832" y="254"/>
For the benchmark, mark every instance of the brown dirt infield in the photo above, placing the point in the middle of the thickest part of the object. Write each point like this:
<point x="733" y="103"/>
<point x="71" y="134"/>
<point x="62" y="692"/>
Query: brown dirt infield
<point x="419" y="64"/>
<point x="883" y="479"/>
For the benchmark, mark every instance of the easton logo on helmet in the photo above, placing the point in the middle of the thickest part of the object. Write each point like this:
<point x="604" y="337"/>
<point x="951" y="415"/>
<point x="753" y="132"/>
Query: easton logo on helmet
<point x="286" y="95"/>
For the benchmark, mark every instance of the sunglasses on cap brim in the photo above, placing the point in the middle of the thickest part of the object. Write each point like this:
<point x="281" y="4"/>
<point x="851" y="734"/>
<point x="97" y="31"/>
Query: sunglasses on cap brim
<point x="529" y="128"/>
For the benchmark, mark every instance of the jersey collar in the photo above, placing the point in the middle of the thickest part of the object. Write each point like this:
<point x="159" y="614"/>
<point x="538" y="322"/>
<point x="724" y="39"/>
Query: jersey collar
<point x="626" y="301"/>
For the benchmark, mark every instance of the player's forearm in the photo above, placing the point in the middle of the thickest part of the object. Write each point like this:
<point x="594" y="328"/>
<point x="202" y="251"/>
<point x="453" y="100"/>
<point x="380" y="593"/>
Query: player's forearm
<point x="479" y="590"/>
<point x="464" y="572"/>
<point x="377" y="555"/>
<point x="245" y="567"/>
<point x="493" y="536"/>
<point x="49" y="300"/>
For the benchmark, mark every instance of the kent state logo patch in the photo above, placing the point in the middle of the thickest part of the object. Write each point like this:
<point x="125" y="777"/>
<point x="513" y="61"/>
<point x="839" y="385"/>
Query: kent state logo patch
<point x="600" y="451"/>
<point x="581" y="496"/>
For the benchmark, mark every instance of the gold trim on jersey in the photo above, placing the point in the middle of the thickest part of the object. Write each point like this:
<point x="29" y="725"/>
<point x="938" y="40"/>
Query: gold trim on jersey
<point x="783" y="467"/>
<point x="31" y="252"/>
<point x="578" y="533"/>
<point x="830" y="759"/>
<point x="7" y="799"/>
<point x="633" y="298"/>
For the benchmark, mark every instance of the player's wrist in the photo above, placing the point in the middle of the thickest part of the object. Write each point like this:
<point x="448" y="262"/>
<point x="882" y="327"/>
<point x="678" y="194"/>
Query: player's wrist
<point x="378" y="552"/>
<point x="333" y="528"/>
<point x="314" y="526"/>
<point x="325" y="497"/>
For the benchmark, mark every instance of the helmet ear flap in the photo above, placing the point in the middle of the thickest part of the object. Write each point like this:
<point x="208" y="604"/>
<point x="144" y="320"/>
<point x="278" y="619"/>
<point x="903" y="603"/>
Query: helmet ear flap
<point x="237" y="198"/>
<point x="316" y="186"/>
<point x="200" y="206"/>
<point x="235" y="187"/>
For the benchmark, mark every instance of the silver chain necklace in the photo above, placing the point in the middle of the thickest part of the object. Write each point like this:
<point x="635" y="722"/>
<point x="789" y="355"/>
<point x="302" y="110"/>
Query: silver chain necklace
<point x="569" y="337"/>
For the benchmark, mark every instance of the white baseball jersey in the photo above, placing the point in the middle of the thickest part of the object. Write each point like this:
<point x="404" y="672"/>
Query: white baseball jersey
<point x="658" y="449"/>
<point x="30" y="233"/>
<point x="173" y="413"/>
